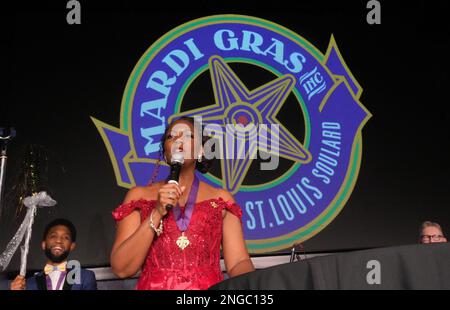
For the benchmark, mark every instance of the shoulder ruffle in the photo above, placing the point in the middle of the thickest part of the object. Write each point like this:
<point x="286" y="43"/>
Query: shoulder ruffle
<point x="232" y="207"/>
<point x="142" y="205"/>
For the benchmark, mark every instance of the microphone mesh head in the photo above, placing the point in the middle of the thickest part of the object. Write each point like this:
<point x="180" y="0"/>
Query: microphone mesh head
<point x="177" y="158"/>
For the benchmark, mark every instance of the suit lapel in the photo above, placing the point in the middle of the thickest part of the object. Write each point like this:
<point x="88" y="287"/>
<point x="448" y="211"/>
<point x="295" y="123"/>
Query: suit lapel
<point x="67" y="286"/>
<point x="41" y="281"/>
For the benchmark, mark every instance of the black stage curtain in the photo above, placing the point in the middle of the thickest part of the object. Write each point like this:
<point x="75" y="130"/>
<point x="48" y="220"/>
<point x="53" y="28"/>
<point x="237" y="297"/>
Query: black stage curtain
<point x="404" y="267"/>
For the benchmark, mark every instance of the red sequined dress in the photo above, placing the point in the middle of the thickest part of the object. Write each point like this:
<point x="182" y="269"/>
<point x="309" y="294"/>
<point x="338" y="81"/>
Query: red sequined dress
<point x="167" y="267"/>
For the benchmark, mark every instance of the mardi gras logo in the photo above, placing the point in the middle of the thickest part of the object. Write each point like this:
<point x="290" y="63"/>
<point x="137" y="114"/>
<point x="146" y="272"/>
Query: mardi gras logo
<point x="317" y="138"/>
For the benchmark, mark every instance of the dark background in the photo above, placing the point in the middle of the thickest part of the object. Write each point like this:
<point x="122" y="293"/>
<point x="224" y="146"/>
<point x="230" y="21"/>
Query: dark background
<point x="57" y="75"/>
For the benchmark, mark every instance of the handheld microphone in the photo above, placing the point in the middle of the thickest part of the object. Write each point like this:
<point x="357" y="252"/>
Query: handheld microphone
<point x="175" y="168"/>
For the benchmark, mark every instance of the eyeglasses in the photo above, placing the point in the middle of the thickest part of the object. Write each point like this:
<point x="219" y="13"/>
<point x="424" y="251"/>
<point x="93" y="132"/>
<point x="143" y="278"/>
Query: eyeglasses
<point x="431" y="237"/>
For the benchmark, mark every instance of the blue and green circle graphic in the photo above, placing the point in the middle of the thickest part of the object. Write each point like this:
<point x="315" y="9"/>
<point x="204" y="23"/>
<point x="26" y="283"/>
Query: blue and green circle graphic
<point x="324" y="163"/>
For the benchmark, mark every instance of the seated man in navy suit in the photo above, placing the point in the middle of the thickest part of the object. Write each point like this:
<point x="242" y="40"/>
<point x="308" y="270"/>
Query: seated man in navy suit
<point x="58" y="242"/>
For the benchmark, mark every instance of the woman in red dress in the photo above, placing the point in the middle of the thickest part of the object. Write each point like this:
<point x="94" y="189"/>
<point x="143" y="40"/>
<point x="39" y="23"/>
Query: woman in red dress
<point x="179" y="248"/>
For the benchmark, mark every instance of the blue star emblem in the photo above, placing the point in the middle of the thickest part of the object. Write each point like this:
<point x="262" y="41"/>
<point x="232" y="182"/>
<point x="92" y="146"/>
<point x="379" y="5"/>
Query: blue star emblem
<point x="247" y="119"/>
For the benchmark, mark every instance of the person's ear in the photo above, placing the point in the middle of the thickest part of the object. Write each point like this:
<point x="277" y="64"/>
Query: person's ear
<point x="43" y="245"/>
<point x="72" y="246"/>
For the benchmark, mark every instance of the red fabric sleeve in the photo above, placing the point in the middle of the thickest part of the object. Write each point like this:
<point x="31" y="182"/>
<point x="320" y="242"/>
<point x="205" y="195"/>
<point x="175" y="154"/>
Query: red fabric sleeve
<point x="231" y="207"/>
<point x="141" y="205"/>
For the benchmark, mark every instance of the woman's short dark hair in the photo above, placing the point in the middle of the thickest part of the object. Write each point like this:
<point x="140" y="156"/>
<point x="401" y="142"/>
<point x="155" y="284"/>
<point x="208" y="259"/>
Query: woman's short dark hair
<point x="205" y="165"/>
<point x="62" y="222"/>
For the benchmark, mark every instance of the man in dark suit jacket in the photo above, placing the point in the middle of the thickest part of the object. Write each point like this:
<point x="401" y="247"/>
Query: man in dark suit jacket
<point x="58" y="241"/>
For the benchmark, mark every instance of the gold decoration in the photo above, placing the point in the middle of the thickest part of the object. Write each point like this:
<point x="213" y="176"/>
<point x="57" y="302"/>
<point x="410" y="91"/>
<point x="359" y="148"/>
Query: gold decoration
<point x="183" y="241"/>
<point x="30" y="179"/>
<point x="214" y="204"/>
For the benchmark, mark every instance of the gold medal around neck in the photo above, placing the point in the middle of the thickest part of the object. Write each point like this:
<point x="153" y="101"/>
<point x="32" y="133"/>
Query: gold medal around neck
<point x="183" y="241"/>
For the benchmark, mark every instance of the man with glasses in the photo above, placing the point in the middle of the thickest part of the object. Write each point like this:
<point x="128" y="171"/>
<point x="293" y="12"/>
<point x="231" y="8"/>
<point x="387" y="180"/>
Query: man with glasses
<point x="431" y="233"/>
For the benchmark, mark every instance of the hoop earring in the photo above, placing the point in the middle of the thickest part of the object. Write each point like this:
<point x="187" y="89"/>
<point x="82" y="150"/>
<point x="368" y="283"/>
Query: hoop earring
<point x="199" y="159"/>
